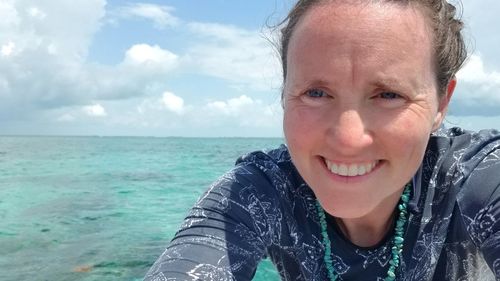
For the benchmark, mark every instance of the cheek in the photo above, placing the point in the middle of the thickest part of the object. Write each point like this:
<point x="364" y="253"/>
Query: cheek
<point x="407" y="137"/>
<point x="300" y="125"/>
<point x="413" y="124"/>
<point x="293" y="128"/>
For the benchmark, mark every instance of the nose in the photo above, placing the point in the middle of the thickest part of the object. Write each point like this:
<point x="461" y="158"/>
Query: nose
<point x="349" y="132"/>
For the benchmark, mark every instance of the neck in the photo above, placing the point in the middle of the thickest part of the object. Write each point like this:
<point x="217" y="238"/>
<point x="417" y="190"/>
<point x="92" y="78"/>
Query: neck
<point x="369" y="230"/>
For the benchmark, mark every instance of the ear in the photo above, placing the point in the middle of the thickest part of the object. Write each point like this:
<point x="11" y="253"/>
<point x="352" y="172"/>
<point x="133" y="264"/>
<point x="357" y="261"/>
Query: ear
<point x="443" y="104"/>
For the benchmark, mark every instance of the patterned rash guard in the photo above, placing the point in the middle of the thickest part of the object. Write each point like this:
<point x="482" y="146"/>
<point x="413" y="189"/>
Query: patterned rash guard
<point x="263" y="208"/>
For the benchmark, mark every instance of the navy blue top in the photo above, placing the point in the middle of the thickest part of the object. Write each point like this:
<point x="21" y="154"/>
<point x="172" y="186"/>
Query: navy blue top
<point x="263" y="208"/>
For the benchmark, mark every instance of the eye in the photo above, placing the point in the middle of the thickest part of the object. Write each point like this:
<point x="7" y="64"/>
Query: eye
<point x="315" y="97"/>
<point x="316" y="93"/>
<point x="389" y="99"/>
<point x="389" y="95"/>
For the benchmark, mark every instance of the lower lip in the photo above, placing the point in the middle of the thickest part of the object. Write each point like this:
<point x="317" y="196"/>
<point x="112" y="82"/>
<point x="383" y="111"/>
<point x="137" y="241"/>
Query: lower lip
<point x="351" y="179"/>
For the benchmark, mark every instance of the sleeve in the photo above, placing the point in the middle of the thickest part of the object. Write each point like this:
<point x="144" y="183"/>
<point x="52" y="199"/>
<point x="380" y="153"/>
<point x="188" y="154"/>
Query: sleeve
<point x="225" y="234"/>
<point x="482" y="209"/>
<point x="490" y="246"/>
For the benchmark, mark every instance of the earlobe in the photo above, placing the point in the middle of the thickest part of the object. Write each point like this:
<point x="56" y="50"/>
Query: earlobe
<point x="437" y="121"/>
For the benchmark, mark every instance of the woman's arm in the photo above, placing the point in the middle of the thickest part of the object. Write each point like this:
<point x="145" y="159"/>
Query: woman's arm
<point x="224" y="235"/>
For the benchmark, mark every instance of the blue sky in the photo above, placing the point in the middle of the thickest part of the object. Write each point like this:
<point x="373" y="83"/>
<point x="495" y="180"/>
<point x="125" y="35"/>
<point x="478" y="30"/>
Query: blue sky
<point x="179" y="68"/>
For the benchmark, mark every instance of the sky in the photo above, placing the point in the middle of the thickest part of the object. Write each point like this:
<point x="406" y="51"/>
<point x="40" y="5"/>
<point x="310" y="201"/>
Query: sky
<point x="180" y="68"/>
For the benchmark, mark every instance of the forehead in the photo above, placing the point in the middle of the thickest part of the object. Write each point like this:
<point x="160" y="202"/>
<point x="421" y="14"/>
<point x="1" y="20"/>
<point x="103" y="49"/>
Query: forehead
<point x="374" y="19"/>
<point x="389" y="34"/>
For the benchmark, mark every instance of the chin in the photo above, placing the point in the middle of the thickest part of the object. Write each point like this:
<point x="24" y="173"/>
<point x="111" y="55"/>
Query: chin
<point x="346" y="209"/>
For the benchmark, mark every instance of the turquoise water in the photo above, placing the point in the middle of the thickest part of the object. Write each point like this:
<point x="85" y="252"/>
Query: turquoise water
<point x="91" y="208"/>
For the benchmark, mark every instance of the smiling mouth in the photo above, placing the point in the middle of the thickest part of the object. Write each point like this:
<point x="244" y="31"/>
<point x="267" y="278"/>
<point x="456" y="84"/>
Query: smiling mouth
<point x="350" y="170"/>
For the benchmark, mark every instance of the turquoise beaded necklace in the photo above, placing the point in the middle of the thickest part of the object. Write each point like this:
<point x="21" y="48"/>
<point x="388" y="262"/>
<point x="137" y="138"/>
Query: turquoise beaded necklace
<point x="397" y="241"/>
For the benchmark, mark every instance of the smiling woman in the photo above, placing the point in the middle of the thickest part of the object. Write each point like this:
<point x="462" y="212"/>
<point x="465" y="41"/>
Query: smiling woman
<point x="369" y="187"/>
<point x="360" y="120"/>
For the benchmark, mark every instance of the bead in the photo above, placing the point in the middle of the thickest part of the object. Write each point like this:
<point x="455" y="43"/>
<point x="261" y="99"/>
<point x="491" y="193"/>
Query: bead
<point x="394" y="261"/>
<point x="400" y="223"/>
<point x="399" y="240"/>
<point x="404" y="198"/>
<point x="396" y="249"/>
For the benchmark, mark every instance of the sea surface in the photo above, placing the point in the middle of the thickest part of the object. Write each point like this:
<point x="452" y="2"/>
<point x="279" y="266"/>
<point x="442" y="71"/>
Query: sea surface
<point x="103" y="208"/>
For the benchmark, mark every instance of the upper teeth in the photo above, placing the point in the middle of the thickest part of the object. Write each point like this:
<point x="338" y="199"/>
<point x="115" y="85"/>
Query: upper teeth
<point x="350" y="170"/>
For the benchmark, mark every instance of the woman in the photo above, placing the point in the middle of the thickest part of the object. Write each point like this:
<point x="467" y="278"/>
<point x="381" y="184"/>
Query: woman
<point x="367" y="188"/>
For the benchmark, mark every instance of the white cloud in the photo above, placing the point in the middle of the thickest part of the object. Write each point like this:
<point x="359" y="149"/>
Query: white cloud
<point x="236" y="116"/>
<point x="474" y="72"/>
<point x="50" y="48"/>
<point x="7" y="49"/>
<point x="8" y="14"/>
<point x="66" y="117"/>
<point x="69" y="25"/>
<point x="245" y="58"/>
<point x="48" y="76"/>
<point x="95" y="110"/>
<point x="36" y="13"/>
<point x="233" y="106"/>
<point x="242" y="111"/>
<point x="45" y="74"/>
<point x="160" y="15"/>
<point x="47" y="44"/>
<point x="144" y="68"/>
<point x="481" y="28"/>
<point x="158" y="105"/>
<point x="144" y="53"/>
<point x="173" y="103"/>
<point x="478" y="90"/>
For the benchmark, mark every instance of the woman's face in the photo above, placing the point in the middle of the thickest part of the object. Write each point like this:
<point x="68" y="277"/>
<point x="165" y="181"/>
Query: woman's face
<point x="360" y="102"/>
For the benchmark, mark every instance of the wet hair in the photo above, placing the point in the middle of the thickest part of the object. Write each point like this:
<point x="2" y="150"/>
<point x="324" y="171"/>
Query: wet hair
<point x="449" y="47"/>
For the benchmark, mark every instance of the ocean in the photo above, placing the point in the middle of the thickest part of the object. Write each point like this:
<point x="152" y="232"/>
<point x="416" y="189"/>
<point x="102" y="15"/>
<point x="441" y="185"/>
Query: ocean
<point x="103" y="208"/>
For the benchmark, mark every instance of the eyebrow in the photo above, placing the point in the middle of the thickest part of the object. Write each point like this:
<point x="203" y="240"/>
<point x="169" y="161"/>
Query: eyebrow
<point x="311" y="83"/>
<point x="388" y="81"/>
<point x="295" y="85"/>
<point x="391" y="83"/>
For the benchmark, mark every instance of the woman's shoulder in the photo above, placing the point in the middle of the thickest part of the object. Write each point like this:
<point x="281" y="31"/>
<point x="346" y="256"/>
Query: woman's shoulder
<point x="276" y="163"/>
<point x="463" y="149"/>
<point x="470" y="165"/>
<point x="462" y="156"/>
<point x="275" y="167"/>
<point x="464" y="165"/>
<point x="459" y="138"/>
<point x="276" y="156"/>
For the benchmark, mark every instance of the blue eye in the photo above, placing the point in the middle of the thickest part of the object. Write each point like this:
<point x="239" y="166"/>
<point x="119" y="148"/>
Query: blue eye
<point x="389" y="95"/>
<point x="316" y="93"/>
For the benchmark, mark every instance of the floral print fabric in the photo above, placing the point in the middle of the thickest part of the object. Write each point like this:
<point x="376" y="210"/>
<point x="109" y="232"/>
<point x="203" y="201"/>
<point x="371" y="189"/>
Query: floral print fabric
<point x="262" y="208"/>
